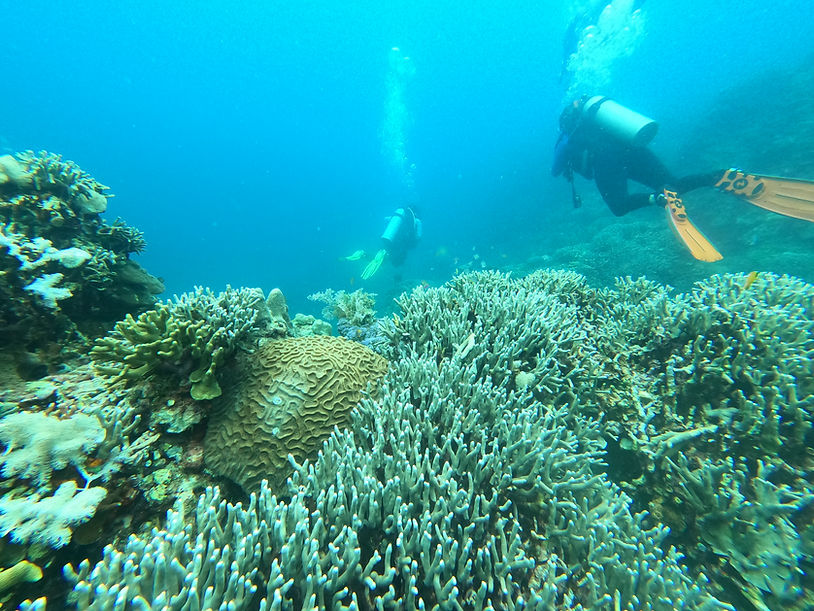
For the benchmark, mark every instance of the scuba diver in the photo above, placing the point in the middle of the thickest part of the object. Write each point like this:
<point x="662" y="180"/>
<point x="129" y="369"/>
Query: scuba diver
<point x="607" y="142"/>
<point x="402" y="232"/>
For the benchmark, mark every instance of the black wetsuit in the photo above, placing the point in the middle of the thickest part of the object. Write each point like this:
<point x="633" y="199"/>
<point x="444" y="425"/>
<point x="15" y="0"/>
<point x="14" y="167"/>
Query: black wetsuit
<point x="610" y="163"/>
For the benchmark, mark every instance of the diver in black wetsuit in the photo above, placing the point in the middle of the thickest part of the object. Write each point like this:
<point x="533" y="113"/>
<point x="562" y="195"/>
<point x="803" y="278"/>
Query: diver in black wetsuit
<point x="604" y="141"/>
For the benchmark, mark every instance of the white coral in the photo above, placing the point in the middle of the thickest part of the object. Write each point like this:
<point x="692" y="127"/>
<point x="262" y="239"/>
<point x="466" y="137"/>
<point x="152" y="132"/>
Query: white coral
<point x="47" y="520"/>
<point x="45" y="287"/>
<point x="37" y="444"/>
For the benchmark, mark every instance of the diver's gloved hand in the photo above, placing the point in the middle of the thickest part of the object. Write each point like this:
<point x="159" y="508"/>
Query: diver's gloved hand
<point x="658" y="199"/>
<point x="374" y="265"/>
<point x="357" y="254"/>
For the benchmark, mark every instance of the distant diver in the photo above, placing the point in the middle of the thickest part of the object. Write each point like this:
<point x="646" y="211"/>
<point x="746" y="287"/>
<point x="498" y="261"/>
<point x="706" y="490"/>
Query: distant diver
<point x="607" y="142"/>
<point x="402" y="233"/>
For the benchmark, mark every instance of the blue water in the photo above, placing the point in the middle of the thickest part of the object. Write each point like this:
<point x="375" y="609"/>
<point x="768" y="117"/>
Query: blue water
<point x="246" y="140"/>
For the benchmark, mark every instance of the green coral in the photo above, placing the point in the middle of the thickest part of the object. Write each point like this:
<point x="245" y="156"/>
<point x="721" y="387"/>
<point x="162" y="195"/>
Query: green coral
<point x="190" y="336"/>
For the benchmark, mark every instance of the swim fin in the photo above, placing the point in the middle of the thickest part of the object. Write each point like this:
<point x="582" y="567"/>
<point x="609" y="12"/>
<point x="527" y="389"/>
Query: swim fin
<point x="357" y="254"/>
<point x="694" y="240"/>
<point x="787" y="196"/>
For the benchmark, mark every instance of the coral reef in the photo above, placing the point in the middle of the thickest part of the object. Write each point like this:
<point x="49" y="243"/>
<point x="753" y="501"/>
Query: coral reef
<point x="61" y="265"/>
<point x="728" y="428"/>
<point x="535" y="443"/>
<point x="38" y="444"/>
<point x="305" y="325"/>
<point x="356" y="308"/>
<point x="64" y="438"/>
<point x="189" y="336"/>
<point x="354" y="314"/>
<point x="455" y="487"/>
<point x="284" y="399"/>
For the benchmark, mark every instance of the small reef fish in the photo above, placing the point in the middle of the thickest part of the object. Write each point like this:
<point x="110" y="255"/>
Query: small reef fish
<point x="750" y="280"/>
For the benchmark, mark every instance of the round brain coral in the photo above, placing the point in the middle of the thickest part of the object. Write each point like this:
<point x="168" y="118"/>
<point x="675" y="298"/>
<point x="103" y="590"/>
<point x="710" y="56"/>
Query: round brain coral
<point x="283" y="398"/>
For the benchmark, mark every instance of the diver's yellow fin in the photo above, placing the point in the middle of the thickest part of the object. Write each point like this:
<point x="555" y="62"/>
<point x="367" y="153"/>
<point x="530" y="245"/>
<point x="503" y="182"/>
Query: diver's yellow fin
<point x="694" y="240"/>
<point x="357" y="254"/>
<point x="787" y="196"/>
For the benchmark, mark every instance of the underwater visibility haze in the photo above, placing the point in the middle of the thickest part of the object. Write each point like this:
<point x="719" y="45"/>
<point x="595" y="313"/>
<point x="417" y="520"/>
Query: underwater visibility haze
<point x="331" y="305"/>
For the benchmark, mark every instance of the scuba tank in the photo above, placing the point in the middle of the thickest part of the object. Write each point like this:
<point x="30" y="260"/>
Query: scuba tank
<point x="393" y="225"/>
<point x="624" y="124"/>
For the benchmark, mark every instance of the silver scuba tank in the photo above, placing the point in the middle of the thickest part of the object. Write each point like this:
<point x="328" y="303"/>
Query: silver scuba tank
<point x="393" y="225"/>
<point x="624" y="124"/>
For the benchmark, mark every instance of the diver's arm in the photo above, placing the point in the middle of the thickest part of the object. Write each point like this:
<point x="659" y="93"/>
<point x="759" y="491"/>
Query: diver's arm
<point x="562" y="156"/>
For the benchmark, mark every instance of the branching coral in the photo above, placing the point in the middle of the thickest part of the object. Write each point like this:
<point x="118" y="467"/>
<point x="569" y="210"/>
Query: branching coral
<point x="456" y="488"/>
<point x="190" y="337"/>
<point x="50" y="173"/>
<point x="49" y="216"/>
<point x="724" y="374"/>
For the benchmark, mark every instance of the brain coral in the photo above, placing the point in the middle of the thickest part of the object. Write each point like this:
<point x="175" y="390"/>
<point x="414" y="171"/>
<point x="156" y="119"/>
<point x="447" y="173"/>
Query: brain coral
<point x="285" y="397"/>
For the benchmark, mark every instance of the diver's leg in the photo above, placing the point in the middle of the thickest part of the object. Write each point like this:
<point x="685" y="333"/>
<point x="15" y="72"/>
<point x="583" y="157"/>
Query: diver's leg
<point x="647" y="169"/>
<point x="696" y="181"/>
<point x="611" y="180"/>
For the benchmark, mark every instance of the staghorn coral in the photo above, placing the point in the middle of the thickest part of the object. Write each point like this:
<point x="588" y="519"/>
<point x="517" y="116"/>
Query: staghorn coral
<point x="747" y="520"/>
<point x="120" y="237"/>
<point x="722" y="372"/>
<point x="743" y="358"/>
<point x="284" y="399"/>
<point x="456" y="488"/>
<point x="188" y="337"/>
